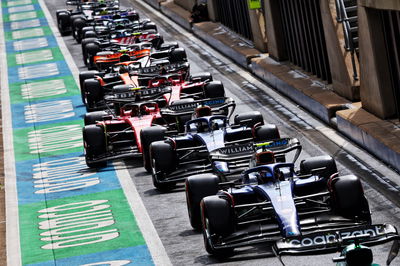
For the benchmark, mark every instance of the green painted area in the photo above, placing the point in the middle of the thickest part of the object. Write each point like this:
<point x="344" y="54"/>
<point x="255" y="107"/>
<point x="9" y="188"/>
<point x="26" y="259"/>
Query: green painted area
<point x="48" y="140"/>
<point x="43" y="89"/>
<point x="124" y="222"/>
<point x="9" y="37"/>
<point x="55" y="52"/>
<point x="22" y="16"/>
<point x="13" y="3"/>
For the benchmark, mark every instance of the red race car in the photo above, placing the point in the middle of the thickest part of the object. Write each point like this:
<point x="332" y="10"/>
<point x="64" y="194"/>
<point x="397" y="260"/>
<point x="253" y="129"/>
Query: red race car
<point x="109" y="136"/>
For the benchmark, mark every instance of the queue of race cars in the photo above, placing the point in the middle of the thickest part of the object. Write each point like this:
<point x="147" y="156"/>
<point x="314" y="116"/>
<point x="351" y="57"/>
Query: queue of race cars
<point x="242" y="185"/>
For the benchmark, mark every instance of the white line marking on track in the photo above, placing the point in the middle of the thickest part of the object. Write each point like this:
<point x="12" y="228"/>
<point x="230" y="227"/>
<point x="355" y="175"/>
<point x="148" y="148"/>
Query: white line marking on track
<point x="145" y="224"/>
<point x="19" y="25"/>
<point x="12" y="216"/>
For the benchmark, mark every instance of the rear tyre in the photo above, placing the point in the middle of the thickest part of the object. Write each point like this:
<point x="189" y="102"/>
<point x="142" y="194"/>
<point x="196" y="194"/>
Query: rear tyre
<point x="149" y="26"/>
<point x="177" y="55"/>
<point x="84" y="76"/>
<point x="325" y="161"/>
<point x="249" y="119"/>
<point x="147" y="136"/>
<point x="77" y="26"/>
<point x="63" y="23"/>
<point x="218" y="221"/>
<point x="266" y="132"/>
<point x="214" y="89"/>
<point x="91" y="49"/>
<point x="93" y="93"/>
<point x="201" y="77"/>
<point x="93" y="117"/>
<point x="94" y="142"/>
<point x="197" y="188"/>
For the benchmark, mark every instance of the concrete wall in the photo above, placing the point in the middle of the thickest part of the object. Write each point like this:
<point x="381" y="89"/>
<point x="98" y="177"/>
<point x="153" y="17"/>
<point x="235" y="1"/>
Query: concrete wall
<point x="186" y="4"/>
<point x="381" y="4"/>
<point x="340" y="60"/>
<point x="375" y="87"/>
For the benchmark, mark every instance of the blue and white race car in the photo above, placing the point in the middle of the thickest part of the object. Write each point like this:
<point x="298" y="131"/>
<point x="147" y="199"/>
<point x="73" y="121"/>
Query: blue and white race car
<point x="293" y="212"/>
<point x="175" y="158"/>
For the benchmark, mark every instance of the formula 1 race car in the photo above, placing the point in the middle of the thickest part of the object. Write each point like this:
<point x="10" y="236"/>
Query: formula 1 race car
<point x="295" y="213"/>
<point x="228" y="163"/>
<point x="108" y="136"/>
<point x="356" y="254"/>
<point x="173" y="159"/>
<point x="98" y="55"/>
<point x="170" y="88"/>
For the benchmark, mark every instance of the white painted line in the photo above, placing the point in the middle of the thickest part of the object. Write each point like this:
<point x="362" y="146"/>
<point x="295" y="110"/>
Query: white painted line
<point x="12" y="215"/>
<point x="42" y="89"/>
<point x="21" y="9"/>
<point x="144" y="222"/>
<point x="34" y="57"/>
<point x="27" y="33"/>
<point x="38" y="71"/>
<point x="23" y="16"/>
<point x="19" y="2"/>
<point x="56" y="138"/>
<point x="19" y="25"/>
<point x="49" y="111"/>
<point x="30" y="44"/>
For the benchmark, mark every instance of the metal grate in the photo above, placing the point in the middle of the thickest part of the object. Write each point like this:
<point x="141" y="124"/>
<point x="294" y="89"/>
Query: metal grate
<point x="391" y="31"/>
<point x="304" y="36"/>
<point x="235" y="15"/>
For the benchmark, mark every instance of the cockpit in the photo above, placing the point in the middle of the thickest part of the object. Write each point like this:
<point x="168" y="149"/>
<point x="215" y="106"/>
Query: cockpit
<point x="206" y="124"/>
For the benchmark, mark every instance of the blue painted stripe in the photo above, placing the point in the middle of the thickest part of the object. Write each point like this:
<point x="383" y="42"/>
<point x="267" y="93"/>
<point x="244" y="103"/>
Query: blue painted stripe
<point x="32" y="183"/>
<point x="133" y="256"/>
<point x="13" y="76"/>
<point x="50" y="40"/>
<point x="7" y="25"/>
<point x="20" y="118"/>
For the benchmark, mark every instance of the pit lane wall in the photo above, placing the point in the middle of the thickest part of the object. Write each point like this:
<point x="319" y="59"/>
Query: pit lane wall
<point x="59" y="212"/>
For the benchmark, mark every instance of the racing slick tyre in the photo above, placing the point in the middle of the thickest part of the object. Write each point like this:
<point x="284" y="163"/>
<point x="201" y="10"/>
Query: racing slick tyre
<point x="93" y="117"/>
<point x="214" y="89"/>
<point x="198" y="187"/>
<point x="324" y="166"/>
<point x="266" y="132"/>
<point x="94" y="142"/>
<point x="201" y="77"/>
<point x="168" y="46"/>
<point x="93" y="93"/>
<point x="149" y="26"/>
<point x="249" y="119"/>
<point x="85" y="42"/>
<point x="347" y="198"/>
<point x="147" y="136"/>
<point x="63" y="19"/>
<point x="177" y="55"/>
<point x="163" y="161"/>
<point x="157" y="42"/>
<point x="77" y="25"/>
<point x="217" y="217"/>
<point x="84" y="76"/>
<point x="88" y="34"/>
<point x="91" y="49"/>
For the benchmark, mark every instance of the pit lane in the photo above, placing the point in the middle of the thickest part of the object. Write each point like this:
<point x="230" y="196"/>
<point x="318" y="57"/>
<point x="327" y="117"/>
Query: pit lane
<point x="168" y="210"/>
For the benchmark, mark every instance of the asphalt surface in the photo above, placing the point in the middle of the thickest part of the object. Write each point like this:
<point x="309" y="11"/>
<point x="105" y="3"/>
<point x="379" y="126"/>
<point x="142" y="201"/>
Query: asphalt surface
<point x="168" y="210"/>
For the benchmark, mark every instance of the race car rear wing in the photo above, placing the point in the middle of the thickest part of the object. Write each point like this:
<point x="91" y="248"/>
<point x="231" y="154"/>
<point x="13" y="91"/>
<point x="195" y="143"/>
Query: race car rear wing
<point x="329" y="241"/>
<point x="216" y="104"/>
<point x="278" y="146"/>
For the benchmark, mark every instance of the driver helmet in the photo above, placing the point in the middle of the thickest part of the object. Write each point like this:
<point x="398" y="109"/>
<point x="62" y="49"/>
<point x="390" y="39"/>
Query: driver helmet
<point x="124" y="58"/>
<point x="263" y="177"/>
<point x="123" y="69"/>
<point x="264" y="157"/>
<point x="202" y="110"/>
